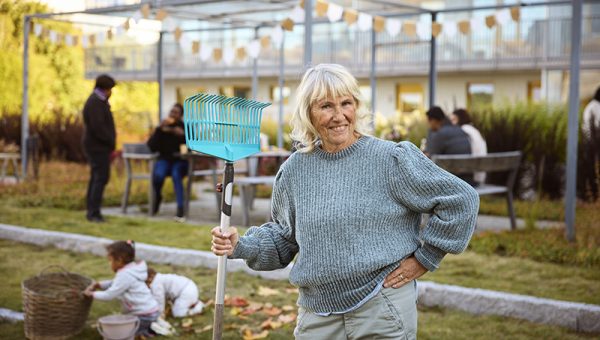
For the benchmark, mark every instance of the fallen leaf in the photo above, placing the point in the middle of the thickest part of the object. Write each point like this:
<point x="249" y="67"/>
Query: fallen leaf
<point x="235" y="311"/>
<point x="270" y="324"/>
<point x="266" y="291"/>
<point x="268" y="305"/>
<point x="289" y="318"/>
<point x="186" y="323"/>
<point x="236" y="301"/>
<point x="288" y="308"/>
<point x="203" y="329"/>
<point x="274" y="311"/>
<point x="292" y="290"/>
<point x="252" y="308"/>
<point x="248" y="335"/>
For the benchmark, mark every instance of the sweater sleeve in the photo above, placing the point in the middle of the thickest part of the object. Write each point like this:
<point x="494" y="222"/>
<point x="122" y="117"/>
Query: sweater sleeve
<point x="422" y="186"/>
<point x="116" y="289"/>
<point x="158" y="292"/>
<point x="272" y="245"/>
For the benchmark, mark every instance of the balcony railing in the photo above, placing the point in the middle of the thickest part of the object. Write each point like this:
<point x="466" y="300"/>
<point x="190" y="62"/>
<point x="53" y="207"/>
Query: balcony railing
<point x="525" y="45"/>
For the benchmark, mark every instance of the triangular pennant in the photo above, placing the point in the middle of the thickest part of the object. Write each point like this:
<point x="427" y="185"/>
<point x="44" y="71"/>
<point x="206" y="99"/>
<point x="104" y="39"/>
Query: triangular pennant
<point x="321" y="7"/>
<point x="503" y="16"/>
<point x="424" y="30"/>
<point x="68" y="40"/>
<point x="92" y="39"/>
<point x="240" y="53"/>
<point x="515" y="13"/>
<point x="277" y="35"/>
<point x="60" y="38"/>
<point x="137" y="16"/>
<point x="37" y="29"/>
<point x="75" y="40"/>
<point x="253" y="49"/>
<point x="409" y="28"/>
<point x="490" y="21"/>
<point x="464" y="26"/>
<point x="160" y="14"/>
<point x="228" y="56"/>
<point x="476" y="24"/>
<point x="393" y="26"/>
<point x="178" y="32"/>
<point x="297" y="15"/>
<point x="365" y="21"/>
<point x="450" y="28"/>
<point x="52" y="36"/>
<point x="378" y="23"/>
<point x="195" y="47"/>
<point x="119" y="30"/>
<point x="350" y="16"/>
<point x="100" y="38"/>
<point x="205" y="52"/>
<point x="145" y="10"/>
<point x="287" y="25"/>
<point x="84" y="41"/>
<point x="127" y="24"/>
<point x="334" y="12"/>
<point x="109" y="34"/>
<point x="265" y="41"/>
<point x="436" y="29"/>
<point x="217" y="54"/>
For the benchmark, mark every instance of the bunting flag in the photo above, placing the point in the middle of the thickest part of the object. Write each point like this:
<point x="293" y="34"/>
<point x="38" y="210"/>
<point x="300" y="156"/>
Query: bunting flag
<point x="393" y="26"/>
<point x="515" y="13"/>
<point x="490" y="21"/>
<point x="436" y="29"/>
<point x="409" y="28"/>
<point x="378" y="23"/>
<point x="350" y="16"/>
<point x="178" y="32"/>
<point x="334" y="12"/>
<point x="137" y="16"/>
<point x="217" y="54"/>
<point x="287" y="24"/>
<point x="424" y="30"/>
<point x="240" y="53"/>
<point x="321" y="7"/>
<point x="92" y="40"/>
<point x="277" y="35"/>
<point x="75" y="40"/>
<point x="109" y="34"/>
<point x="297" y="14"/>
<point x="195" y="47"/>
<point x="253" y="49"/>
<point x="464" y="26"/>
<point x="37" y="29"/>
<point x="503" y="16"/>
<point x="476" y="24"/>
<point x="265" y="42"/>
<point x="205" y="52"/>
<point x="450" y="28"/>
<point x="365" y="21"/>
<point x="127" y="25"/>
<point x="53" y="36"/>
<point x="84" y="41"/>
<point x="228" y="56"/>
<point x="160" y="14"/>
<point x="145" y="10"/>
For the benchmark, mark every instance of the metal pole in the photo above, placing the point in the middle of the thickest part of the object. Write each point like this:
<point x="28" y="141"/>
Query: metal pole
<point x="161" y="80"/>
<point x="432" y="66"/>
<point x="25" y="104"/>
<point x="308" y="7"/>
<point x="573" y="124"/>
<point x="281" y="83"/>
<point x="373" y="77"/>
<point x="255" y="71"/>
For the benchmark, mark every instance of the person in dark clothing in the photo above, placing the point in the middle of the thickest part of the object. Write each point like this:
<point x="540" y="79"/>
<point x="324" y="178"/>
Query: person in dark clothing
<point x="166" y="140"/>
<point x="98" y="142"/>
<point x="444" y="138"/>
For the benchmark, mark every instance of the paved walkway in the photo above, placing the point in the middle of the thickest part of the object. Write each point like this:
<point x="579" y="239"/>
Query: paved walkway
<point x="203" y="211"/>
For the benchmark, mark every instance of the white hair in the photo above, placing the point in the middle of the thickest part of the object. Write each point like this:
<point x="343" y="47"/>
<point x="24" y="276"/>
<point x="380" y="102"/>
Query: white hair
<point x="324" y="81"/>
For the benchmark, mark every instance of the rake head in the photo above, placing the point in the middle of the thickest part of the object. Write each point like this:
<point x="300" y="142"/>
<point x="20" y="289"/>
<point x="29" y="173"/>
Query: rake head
<point x="227" y="128"/>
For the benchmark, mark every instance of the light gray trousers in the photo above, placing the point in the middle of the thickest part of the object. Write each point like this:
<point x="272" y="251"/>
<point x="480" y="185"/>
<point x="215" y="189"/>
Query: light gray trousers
<point x="391" y="314"/>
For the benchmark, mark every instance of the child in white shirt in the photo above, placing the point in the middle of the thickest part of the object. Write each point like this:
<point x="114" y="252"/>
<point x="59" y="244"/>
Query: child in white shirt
<point x="179" y="290"/>
<point x="129" y="285"/>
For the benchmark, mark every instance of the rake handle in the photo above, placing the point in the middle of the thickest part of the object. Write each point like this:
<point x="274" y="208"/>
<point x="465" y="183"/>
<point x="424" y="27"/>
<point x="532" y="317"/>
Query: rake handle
<point x="226" y="199"/>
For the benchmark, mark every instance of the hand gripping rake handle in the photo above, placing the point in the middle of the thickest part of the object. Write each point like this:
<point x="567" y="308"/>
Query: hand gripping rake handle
<point x="222" y="262"/>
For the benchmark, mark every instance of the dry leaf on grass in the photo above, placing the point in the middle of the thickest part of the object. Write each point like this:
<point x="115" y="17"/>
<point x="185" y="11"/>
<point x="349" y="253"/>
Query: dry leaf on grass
<point x="273" y="311"/>
<point x="236" y="301"/>
<point x="266" y="291"/>
<point x="252" y="308"/>
<point x="289" y="318"/>
<point x="288" y="308"/>
<point x="292" y="290"/>
<point x="270" y="324"/>
<point x="203" y="329"/>
<point x="235" y="311"/>
<point x="187" y="323"/>
<point x="248" y="335"/>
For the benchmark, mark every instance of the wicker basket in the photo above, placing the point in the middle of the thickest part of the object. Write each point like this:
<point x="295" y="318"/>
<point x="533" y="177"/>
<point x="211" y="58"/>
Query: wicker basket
<point x="54" y="305"/>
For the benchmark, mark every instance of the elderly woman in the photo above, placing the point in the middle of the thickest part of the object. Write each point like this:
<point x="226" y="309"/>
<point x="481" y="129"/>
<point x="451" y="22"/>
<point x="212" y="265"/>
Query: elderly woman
<point x="349" y="207"/>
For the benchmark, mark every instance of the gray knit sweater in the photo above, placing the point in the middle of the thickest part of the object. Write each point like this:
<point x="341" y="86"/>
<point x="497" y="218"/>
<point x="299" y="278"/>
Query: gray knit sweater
<point x="351" y="216"/>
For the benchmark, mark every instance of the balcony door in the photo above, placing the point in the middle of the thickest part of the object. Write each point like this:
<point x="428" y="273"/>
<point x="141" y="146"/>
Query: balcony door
<point x="410" y="98"/>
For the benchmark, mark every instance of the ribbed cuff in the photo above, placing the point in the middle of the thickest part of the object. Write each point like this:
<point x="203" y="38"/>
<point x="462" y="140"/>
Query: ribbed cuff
<point x="247" y="248"/>
<point x="429" y="256"/>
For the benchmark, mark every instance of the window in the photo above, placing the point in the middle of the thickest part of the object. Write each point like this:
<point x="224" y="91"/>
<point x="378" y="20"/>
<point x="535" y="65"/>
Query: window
<point x="236" y="91"/>
<point x="479" y="95"/>
<point x="534" y="91"/>
<point x="410" y="98"/>
<point x="365" y="92"/>
<point x="275" y="94"/>
<point x="187" y="91"/>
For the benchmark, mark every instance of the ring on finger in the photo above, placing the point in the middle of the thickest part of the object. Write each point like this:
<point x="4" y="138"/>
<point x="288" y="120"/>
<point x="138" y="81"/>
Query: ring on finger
<point x="401" y="276"/>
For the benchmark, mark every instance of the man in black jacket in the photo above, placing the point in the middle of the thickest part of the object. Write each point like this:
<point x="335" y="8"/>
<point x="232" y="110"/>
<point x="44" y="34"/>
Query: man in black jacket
<point x="98" y="143"/>
<point x="166" y="140"/>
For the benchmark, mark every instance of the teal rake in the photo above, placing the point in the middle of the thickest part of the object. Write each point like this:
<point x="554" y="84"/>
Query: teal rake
<point x="227" y="128"/>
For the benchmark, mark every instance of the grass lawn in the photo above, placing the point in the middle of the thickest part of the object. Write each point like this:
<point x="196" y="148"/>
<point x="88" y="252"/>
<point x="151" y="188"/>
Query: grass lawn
<point x="488" y="271"/>
<point x="18" y="261"/>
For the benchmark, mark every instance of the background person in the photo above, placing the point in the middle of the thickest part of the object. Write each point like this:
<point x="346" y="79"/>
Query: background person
<point x="354" y="264"/>
<point x="461" y="117"/>
<point x="178" y="290"/>
<point x="166" y="140"/>
<point x="99" y="140"/>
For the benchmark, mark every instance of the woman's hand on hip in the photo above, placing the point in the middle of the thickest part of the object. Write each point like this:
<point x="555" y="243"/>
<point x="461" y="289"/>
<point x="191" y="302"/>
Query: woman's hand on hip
<point x="409" y="269"/>
<point x="224" y="243"/>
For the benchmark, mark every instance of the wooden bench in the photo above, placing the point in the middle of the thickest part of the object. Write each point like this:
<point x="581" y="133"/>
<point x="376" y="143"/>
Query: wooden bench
<point x="12" y="159"/>
<point x="492" y="162"/>
<point x="247" y="185"/>
<point x="138" y="152"/>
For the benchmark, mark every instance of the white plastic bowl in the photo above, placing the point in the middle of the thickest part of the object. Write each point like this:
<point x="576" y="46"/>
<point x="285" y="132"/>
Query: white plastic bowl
<point x="118" y="327"/>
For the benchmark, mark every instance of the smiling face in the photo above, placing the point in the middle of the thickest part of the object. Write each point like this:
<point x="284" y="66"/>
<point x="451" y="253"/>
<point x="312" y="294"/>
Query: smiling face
<point x="335" y="121"/>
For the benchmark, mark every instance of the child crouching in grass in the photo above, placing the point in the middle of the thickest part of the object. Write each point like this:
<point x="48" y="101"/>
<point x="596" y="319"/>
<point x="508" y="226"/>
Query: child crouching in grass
<point x="179" y="290"/>
<point x="129" y="285"/>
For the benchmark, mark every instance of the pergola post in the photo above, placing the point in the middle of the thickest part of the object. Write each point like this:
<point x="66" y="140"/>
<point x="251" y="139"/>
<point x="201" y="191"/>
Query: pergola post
<point x="432" y="66"/>
<point x="160" y="75"/>
<point x="373" y="76"/>
<point x="255" y="71"/>
<point x="308" y="7"/>
<point x="25" y="103"/>
<point x="573" y="121"/>
<point x="281" y="83"/>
